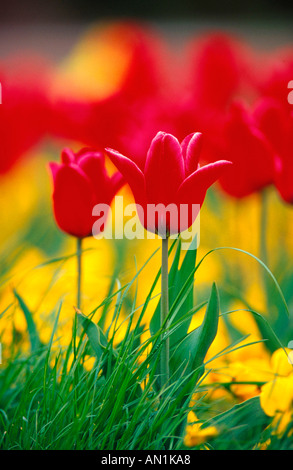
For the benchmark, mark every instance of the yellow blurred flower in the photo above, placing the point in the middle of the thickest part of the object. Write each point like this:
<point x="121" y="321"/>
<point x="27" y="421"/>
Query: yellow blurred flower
<point x="97" y="65"/>
<point x="195" y="433"/>
<point x="244" y="379"/>
<point x="89" y="362"/>
<point x="276" y="397"/>
<point x="281" y="362"/>
<point x="43" y="286"/>
<point x="18" y="198"/>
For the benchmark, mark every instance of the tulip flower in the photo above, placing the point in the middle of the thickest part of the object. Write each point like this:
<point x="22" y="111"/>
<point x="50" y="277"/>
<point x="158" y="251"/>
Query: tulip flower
<point x="276" y="122"/>
<point x="276" y="74"/>
<point x="244" y="144"/>
<point x="23" y="107"/>
<point x="171" y="176"/>
<point x="80" y="182"/>
<point x="218" y="64"/>
<point x="217" y="68"/>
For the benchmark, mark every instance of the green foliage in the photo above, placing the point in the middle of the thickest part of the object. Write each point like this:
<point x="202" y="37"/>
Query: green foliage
<point x="187" y="350"/>
<point x="32" y="330"/>
<point x="189" y="354"/>
<point x="50" y="400"/>
<point x="239" y="426"/>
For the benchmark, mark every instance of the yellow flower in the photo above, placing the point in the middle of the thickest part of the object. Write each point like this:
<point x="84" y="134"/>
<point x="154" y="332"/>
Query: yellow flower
<point x="281" y="422"/>
<point x="195" y="433"/>
<point x="98" y="64"/>
<point x="89" y="362"/>
<point x="276" y="397"/>
<point x="281" y="362"/>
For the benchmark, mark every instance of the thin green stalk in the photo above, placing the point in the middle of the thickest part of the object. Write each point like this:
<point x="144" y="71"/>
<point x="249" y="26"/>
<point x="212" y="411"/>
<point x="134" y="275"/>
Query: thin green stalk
<point x="263" y="250"/>
<point x="79" y="272"/>
<point x="165" y="351"/>
<point x="78" y="304"/>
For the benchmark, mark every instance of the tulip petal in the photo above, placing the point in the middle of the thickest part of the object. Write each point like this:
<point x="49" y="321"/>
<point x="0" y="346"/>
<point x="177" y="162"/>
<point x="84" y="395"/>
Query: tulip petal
<point x="117" y="181"/>
<point x="253" y="163"/>
<point x="54" y="167"/>
<point x="194" y="188"/>
<point x="73" y="201"/>
<point x="93" y="165"/>
<point x="164" y="169"/>
<point x="191" y="148"/>
<point x="67" y="156"/>
<point x="132" y="174"/>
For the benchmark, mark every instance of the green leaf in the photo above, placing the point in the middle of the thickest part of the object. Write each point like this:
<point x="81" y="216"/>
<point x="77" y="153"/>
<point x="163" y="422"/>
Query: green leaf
<point x="96" y="337"/>
<point x="240" y="427"/>
<point x="272" y="277"/>
<point x="31" y="326"/>
<point x="190" y="353"/>
<point x="186" y="269"/>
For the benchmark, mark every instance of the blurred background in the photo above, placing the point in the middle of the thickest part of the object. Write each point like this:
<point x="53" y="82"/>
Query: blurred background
<point x="86" y="10"/>
<point x="52" y="26"/>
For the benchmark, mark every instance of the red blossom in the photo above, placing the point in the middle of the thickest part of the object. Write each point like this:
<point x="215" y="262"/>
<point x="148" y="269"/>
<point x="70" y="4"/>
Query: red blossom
<point x="276" y="122"/>
<point x="80" y="182"/>
<point x="253" y="157"/>
<point x="24" y="109"/>
<point x="171" y="175"/>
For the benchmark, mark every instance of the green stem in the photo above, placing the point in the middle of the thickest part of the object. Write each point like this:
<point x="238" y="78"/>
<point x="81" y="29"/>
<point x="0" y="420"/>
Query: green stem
<point x="263" y="251"/>
<point x="263" y="247"/>
<point x="78" y="305"/>
<point x="164" y="362"/>
<point x="79" y="272"/>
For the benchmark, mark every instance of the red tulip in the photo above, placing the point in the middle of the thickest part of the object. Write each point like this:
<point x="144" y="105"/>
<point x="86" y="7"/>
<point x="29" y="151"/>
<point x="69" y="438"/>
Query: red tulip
<point x="80" y="182"/>
<point x="276" y="122"/>
<point x="244" y="144"/>
<point x="24" y="109"/>
<point x="216" y="70"/>
<point x="276" y="73"/>
<point x="171" y="176"/>
<point x="218" y="64"/>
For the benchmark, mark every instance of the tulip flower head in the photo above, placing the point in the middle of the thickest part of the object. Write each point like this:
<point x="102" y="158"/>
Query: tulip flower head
<point x="80" y="182"/>
<point x="23" y="107"/>
<point x="276" y="122"/>
<point x="244" y="144"/>
<point x="170" y="188"/>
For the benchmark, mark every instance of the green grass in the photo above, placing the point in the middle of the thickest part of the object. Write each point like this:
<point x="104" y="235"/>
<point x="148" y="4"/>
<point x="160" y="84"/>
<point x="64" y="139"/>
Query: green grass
<point x="51" y="406"/>
<point x="45" y="406"/>
<point x="61" y="406"/>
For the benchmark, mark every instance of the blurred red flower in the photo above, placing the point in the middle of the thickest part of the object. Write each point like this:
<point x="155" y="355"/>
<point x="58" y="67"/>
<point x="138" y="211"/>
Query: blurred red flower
<point x="276" y="122"/>
<point x="24" y="109"/>
<point x="117" y="92"/>
<point x="216" y="70"/>
<point x="80" y="182"/>
<point x="253" y="157"/>
<point x="275" y="75"/>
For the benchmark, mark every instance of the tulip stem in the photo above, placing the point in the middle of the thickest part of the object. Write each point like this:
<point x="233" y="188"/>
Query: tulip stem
<point x="263" y="252"/>
<point x="78" y="305"/>
<point x="164" y="363"/>
<point x="79" y="272"/>
<point x="263" y="248"/>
